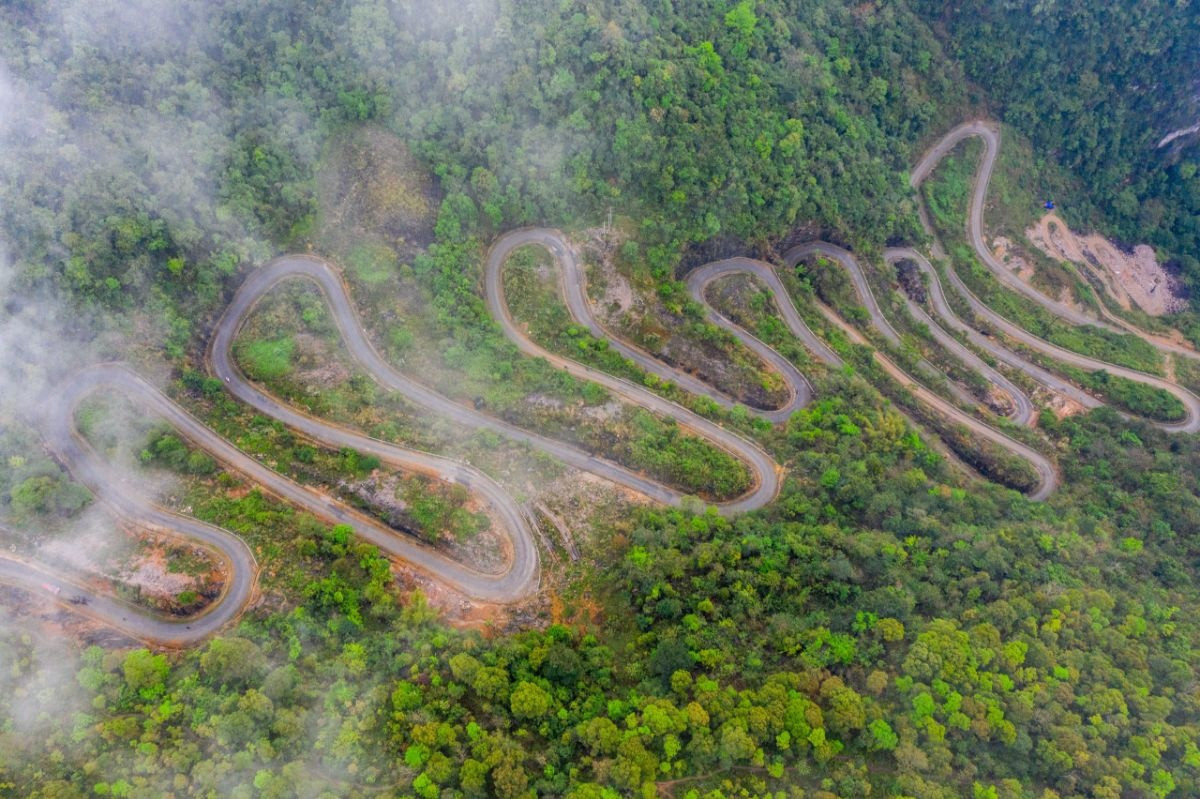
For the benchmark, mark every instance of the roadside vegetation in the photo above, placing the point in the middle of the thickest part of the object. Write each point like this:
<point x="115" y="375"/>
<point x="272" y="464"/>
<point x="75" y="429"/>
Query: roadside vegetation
<point x="638" y="439"/>
<point x="32" y="487"/>
<point x="947" y="192"/>
<point x="833" y="286"/>
<point x="417" y="505"/>
<point x="662" y="319"/>
<point x="754" y="309"/>
<point x="887" y="627"/>
<point x="1129" y="395"/>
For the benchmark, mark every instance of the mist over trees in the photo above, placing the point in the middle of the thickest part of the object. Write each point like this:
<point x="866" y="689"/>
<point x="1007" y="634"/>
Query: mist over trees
<point x="164" y="156"/>
<point x="883" y="629"/>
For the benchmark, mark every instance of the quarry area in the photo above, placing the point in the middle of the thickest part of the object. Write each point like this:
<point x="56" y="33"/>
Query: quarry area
<point x="1132" y="278"/>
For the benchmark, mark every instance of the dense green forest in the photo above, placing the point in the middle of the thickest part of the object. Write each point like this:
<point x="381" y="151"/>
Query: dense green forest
<point x="707" y="120"/>
<point x="887" y="627"/>
<point x="1096" y="86"/>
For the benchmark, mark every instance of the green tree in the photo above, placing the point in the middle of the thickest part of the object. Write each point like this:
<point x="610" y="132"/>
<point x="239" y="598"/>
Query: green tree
<point x="530" y="701"/>
<point x="146" y="673"/>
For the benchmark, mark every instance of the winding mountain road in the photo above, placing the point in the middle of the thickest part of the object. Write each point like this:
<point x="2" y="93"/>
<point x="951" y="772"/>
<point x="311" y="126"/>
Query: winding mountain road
<point x="990" y="136"/>
<point x="937" y="298"/>
<point x="572" y="283"/>
<point x="765" y="472"/>
<point x="519" y="578"/>
<point x="1191" y="403"/>
<point x="1047" y="474"/>
<point x="139" y="623"/>
<point x="699" y="280"/>
<point x="991" y="147"/>
<point x="1022" y="412"/>
<point x="521" y="574"/>
<point x="327" y="279"/>
<point x="121" y="494"/>
<point x="862" y="287"/>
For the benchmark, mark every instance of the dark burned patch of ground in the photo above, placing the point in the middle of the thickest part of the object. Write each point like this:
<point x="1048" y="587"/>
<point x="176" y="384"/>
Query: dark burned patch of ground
<point x="370" y="184"/>
<point x="715" y="249"/>
<point x="721" y="247"/>
<point x="806" y="233"/>
<point x="1176" y="281"/>
<point x="909" y="277"/>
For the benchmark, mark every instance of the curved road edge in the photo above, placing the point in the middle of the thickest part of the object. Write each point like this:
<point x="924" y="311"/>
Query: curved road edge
<point x="572" y="281"/>
<point x="762" y="465"/>
<point x="990" y="137"/>
<point x="519" y="579"/>
<point x="700" y="278"/>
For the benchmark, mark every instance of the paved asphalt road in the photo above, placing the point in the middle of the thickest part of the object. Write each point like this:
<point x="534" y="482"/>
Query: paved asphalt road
<point x="991" y="140"/>
<point x="573" y="287"/>
<point x="990" y="136"/>
<point x="700" y="278"/>
<point x="521" y="576"/>
<point x="762" y="465"/>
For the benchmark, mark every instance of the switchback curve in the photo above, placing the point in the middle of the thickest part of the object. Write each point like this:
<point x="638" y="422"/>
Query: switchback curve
<point x="572" y="283"/>
<point x="336" y="294"/>
<point x="989" y="135"/>
<point x="990" y="138"/>
<point x="700" y="278"/>
<point x="519" y="578"/>
<point x="862" y="287"/>
<point x="118" y="493"/>
<point x="1022" y="410"/>
<point x="522" y="575"/>
<point x="766" y="471"/>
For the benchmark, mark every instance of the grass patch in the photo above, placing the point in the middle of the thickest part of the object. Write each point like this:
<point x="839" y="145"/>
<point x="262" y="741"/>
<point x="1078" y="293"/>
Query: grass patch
<point x="267" y="359"/>
<point x="372" y="263"/>
<point x="439" y="510"/>
<point x="1130" y="395"/>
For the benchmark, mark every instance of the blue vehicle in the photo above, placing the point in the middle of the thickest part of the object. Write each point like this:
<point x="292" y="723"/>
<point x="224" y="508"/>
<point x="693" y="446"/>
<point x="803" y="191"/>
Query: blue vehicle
<point x="1049" y="205"/>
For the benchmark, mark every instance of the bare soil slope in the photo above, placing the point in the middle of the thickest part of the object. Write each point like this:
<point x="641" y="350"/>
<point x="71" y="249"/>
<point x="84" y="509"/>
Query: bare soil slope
<point x="1131" y="277"/>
